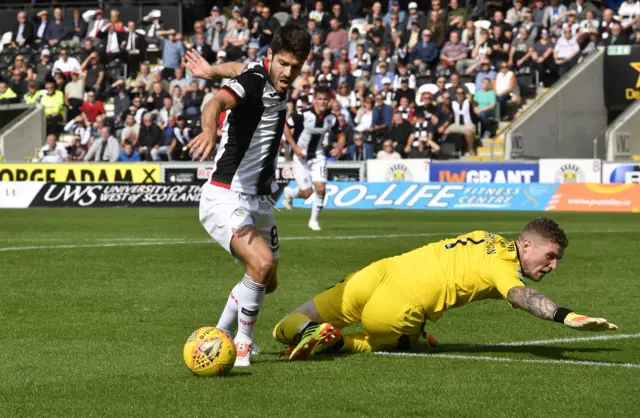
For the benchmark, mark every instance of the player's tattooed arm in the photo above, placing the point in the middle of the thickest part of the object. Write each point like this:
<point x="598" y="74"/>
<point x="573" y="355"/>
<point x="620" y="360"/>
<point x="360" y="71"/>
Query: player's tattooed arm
<point x="532" y="301"/>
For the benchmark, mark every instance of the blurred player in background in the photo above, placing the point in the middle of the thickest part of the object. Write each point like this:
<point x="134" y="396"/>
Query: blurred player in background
<point x="311" y="128"/>
<point x="393" y="297"/>
<point x="236" y="207"/>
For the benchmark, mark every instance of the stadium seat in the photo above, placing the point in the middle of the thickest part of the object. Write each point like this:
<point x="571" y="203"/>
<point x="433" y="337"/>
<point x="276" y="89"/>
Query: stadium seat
<point x="5" y="40"/>
<point x="471" y="87"/>
<point x="357" y="24"/>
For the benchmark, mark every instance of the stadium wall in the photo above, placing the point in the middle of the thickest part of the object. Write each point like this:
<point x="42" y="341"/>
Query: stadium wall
<point x="546" y="185"/>
<point x="24" y="133"/>
<point x="565" y="121"/>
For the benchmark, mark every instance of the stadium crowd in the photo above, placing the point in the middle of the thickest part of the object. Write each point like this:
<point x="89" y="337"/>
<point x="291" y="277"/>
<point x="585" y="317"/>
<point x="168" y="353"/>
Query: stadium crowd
<point x="422" y="79"/>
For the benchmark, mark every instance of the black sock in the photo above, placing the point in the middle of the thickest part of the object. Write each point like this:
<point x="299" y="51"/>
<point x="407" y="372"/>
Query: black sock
<point x="337" y="347"/>
<point x="308" y="326"/>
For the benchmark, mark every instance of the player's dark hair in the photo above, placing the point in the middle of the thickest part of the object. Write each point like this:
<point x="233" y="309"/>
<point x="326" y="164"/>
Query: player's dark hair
<point x="321" y="90"/>
<point x="292" y="38"/>
<point x="549" y="229"/>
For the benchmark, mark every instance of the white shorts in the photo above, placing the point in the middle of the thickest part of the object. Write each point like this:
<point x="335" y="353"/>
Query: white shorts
<point x="223" y="210"/>
<point x="307" y="172"/>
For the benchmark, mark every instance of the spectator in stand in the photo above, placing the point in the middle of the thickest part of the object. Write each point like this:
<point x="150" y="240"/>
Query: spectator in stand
<point x="608" y="21"/>
<point x="521" y="50"/>
<point x="263" y="28"/>
<point x="499" y="45"/>
<point x="183" y="135"/>
<point x="149" y="137"/>
<point x="436" y="28"/>
<point x="452" y="53"/>
<point x="337" y="12"/>
<point x="23" y="32"/>
<point x="553" y="16"/>
<point x="361" y="61"/>
<point x="144" y="77"/>
<point x="57" y="30"/>
<point x="96" y="127"/>
<point x="53" y="102"/>
<point x="543" y="57"/>
<point x="7" y="95"/>
<point x="113" y="49"/>
<point x="485" y="104"/>
<point x="106" y="148"/>
<point x="93" y="73"/>
<point x="87" y="49"/>
<point x="463" y="120"/>
<point x="296" y="15"/>
<point x="363" y="118"/>
<point x="218" y="35"/>
<point x="53" y="151"/>
<point x="168" y="109"/>
<point x="420" y="143"/>
<point x="172" y="51"/>
<point x="388" y="152"/>
<point x="443" y="117"/>
<point x="629" y="13"/>
<point x="343" y="95"/>
<point x="343" y="77"/>
<point x="425" y="53"/>
<point x="566" y="51"/>
<point x="319" y="15"/>
<point x="237" y="40"/>
<point x="44" y="68"/>
<point x="506" y="88"/>
<point x="203" y="49"/>
<point x="485" y="72"/>
<point x="415" y="16"/>
<point x="456" y="16"/>
<point x="18" y="84"/>
<point x="79" y="129"/>
<point x="74" y="94"/>
<point x="65" y="63"/>
<point x="168" y="141"/>
<point x="616" y="37"/>
<point x="355" y="40"/>
<point x="428" y="107"/>
<point x="480" y="52"/>
<point x="404" y="91"/>
<point x="135" y="46"/>
<point x="394" y="26"/>
<point x="337" y="37"/>
<point x="92" y="108"/>
<point x="41" y="28"/>
<point x="121" y="101"/>
<point x="155" y="101"/>
<point x="192" y="100"/>
<point x="130" y="131"/>
<point x="529" y="24"/>
<point x="129" y="153"/>
<point x="78" y="27"/>
<point x="359" y="151"/>
<point x="381" y="116"/>
<point x="178" y="80"/>
<point x="514" y="14"/>
<point x="32" y="96"/>
<point x="95" y="21"/>
<point x="399" y="132"/>
<point x="589" y="23"/>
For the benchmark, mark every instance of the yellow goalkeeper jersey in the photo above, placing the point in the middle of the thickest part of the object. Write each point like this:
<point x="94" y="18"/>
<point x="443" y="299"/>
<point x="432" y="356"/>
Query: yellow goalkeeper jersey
<point x="453" y="272"/>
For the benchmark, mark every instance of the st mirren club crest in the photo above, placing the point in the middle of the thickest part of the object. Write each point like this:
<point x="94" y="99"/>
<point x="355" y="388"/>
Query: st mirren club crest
<point x="570" y="173"/>
<point x="399" y="172"/>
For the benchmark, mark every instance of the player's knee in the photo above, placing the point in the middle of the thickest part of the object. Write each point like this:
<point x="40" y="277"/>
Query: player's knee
<point x="306" y="193"/>
<point x="320" y="189"/>
<point x="259" y="266"/>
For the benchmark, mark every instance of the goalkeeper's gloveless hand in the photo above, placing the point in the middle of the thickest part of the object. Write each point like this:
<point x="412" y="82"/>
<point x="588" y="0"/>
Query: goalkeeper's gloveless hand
<point x="587" y="323"/>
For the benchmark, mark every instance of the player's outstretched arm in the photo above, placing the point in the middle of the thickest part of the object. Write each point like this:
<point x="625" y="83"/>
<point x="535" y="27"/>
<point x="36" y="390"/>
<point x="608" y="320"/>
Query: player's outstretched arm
<point x="200" y="68"/>
<point x="203" y="146"/>
<point x="541" y="306"/>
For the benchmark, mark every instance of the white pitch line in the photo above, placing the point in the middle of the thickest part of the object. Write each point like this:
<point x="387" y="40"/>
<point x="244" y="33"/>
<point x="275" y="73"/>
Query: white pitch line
<point x="568" y="340"/>
<point x="147" y="242"/>
<point x="526" y="343"/>
<point x="514" y="360"/>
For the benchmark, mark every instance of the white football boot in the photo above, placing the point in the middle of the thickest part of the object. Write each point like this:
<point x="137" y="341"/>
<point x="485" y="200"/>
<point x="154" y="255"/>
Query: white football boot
<point x="314" y="225"/>
<point x="243" y="353"/>
<point x="287" y="202"/>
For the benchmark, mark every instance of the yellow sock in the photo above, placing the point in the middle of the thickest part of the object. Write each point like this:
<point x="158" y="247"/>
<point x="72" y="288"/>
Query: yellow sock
<point x="357" y="343"/>
<point x="288" y="330"/>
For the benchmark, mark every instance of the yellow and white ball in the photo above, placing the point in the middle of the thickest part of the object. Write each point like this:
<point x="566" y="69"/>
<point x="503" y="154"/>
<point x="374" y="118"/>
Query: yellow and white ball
<point x="209" y="351"/>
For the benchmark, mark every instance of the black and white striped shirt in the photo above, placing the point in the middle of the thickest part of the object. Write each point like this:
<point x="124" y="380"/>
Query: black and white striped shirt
<point x="315" y="129"/>
<point x="246" y="158"/>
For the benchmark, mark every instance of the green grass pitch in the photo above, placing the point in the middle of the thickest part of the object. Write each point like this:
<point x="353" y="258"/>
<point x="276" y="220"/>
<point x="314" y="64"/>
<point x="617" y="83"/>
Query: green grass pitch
<point x="96" y="304"/>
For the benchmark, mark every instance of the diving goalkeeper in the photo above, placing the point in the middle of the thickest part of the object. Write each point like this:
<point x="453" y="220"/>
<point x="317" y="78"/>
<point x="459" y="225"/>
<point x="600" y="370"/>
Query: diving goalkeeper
<point x="393" y="297"/>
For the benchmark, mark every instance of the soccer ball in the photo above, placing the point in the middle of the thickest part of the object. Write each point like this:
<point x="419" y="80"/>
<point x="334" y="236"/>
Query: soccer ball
<point x="210" y="351"/>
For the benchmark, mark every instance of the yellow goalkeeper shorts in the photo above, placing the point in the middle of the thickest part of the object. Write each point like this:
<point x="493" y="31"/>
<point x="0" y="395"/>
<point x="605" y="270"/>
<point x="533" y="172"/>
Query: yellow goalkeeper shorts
<point x="390" y="314"/>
